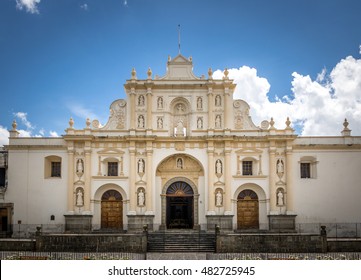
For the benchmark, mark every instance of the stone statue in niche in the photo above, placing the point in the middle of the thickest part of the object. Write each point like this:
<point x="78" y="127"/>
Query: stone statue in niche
<point x="199" y="103"/>
<point x="280" y="201"/>
<point x="141" y="100"/>
<point x="218" y="101"/>
<point x="79" y="198"/>
<point x="141" y="166"/>
<point x="79" y="167"/>
<point x="141" y="198"/>
<point x="180" y="130"/>
<point x="179" y="163"/>
<point x="180" y="108"/>
<point x="219" y="199"/>
<point x="218" y="121"/>
<point x="218" y="166"/>
<point x="160" y="123"/>
<point x="200" y="123"/>
<point x="141" y="121"/>
<point x="160" y="103"/>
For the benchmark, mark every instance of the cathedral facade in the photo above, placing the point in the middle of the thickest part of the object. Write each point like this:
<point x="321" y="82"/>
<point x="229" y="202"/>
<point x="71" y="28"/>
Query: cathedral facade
<point x="180" y="153"/>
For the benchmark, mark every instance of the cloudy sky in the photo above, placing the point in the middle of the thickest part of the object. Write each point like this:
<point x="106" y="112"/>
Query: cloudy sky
<point x="289" y="58"/>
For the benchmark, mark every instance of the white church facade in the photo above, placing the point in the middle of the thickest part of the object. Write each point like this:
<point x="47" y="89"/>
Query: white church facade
<point x="180" y="152"/>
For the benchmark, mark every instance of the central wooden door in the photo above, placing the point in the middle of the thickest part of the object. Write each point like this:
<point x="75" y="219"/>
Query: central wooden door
<point x="247" y="210"/>
<point x="112" y="210"/>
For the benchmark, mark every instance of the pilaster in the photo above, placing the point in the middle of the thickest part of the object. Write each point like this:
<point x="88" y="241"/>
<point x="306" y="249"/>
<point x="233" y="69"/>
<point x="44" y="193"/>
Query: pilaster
<point x="70" y="179"/>
<point x="210" y="107"/>
<point x="132" y="174"/>
<point x="87" y="187"/>
<point x="227" y="179"/>
<point x="272" y="178"/>
<point x="132" y="108"/>
<point x="149" y="173"/>
<point x="210" y="152"/>
<point x="289" y="180"/>
<point x="149" y="106"/>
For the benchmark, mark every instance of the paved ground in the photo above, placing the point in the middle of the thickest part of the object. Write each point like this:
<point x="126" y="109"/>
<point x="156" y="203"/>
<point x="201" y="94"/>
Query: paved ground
<point x="176" y="256"/>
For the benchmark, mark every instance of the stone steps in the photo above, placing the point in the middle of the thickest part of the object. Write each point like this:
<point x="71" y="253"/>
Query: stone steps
<point x="181" y="241"/>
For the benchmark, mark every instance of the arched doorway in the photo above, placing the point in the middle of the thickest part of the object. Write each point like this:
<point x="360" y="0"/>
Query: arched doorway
<point x="112" y="210"/>
<point x="247" y="210"/>
<point x="179" y="212"/>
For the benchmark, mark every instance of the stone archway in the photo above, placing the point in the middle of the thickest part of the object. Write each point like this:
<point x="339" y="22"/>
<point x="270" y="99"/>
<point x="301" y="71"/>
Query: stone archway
<point x="186" y="170"/>
<point x="179" y="205"/>
<point x="183" y="194"/>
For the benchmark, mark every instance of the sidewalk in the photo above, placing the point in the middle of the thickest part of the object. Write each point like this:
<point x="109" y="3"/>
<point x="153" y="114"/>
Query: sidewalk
<point x="176" y="256"/>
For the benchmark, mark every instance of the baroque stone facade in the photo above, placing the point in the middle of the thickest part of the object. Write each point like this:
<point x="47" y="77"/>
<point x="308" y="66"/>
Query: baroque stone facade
<point x="180" y="152"/>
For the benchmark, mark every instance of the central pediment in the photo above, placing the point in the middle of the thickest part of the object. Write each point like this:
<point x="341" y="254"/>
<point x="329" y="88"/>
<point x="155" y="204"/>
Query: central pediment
<point x="179" y="68"/>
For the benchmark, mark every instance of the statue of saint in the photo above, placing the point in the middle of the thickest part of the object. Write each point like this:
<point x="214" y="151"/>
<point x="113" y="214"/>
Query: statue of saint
<point x="199" y="103"/>
<point x="199" y="123"/>
<point x="140" y="166"/>
<point x="141" y="100"/>
<point x="219" y="198"/>
<point x="180" y="163"/>
<point x="79" y="166"/>
<point x="79" y="198"/>
<point x="160" y="123"/>
<point x="160" y="103"/>
<point x="218" y="100"/>
<point x="280" y="167"/>
<point x="141" y="198"/>
<point x="280" y="198"/>
<point x="141" y="122"/>
<point x="218" y="121"/>
<point x="180" y="129"/>
<point x="218" y="166"/>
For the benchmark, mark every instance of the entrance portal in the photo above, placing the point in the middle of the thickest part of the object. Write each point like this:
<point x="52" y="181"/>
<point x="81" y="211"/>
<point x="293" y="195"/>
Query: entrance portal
<point x="247" y="210"/>
<point x="112" y="210"/>
<point x="180" y="200"/>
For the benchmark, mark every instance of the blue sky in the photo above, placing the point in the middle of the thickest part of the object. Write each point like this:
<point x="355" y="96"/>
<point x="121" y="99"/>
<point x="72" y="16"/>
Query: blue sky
<point x="70" y="58"/>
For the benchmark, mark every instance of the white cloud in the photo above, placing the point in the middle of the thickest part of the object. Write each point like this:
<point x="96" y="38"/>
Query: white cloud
<point x="24" y="119"/>
<point x="53" y="134"/>
<point x="125" y="3"/>
<point x="84" y="7"/>
<point x="29" y="5"/>
<point x="318" y="106"/>
<point x="80" y="111"/>
<point x="4" y="136"/>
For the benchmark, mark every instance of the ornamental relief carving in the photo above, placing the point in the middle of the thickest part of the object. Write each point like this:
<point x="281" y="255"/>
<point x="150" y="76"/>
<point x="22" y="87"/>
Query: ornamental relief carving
<point x="117" y="118"/>
<point x="178" y="164"/>
<point x="242" y="120"/>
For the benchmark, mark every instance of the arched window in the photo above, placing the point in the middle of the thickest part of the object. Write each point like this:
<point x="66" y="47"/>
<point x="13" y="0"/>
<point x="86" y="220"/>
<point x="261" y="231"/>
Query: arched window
<point x="52" y="167"/>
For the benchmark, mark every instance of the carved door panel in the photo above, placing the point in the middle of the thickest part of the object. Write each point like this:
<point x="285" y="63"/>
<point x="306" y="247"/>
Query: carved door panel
<point x="247" y="211"/>
<point x="111" y="212"/>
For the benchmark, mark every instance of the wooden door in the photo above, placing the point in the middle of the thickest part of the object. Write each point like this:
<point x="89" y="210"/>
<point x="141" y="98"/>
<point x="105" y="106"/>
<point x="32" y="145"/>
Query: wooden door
<point x="112" y="210"/>
<point x="247" y="210"/>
